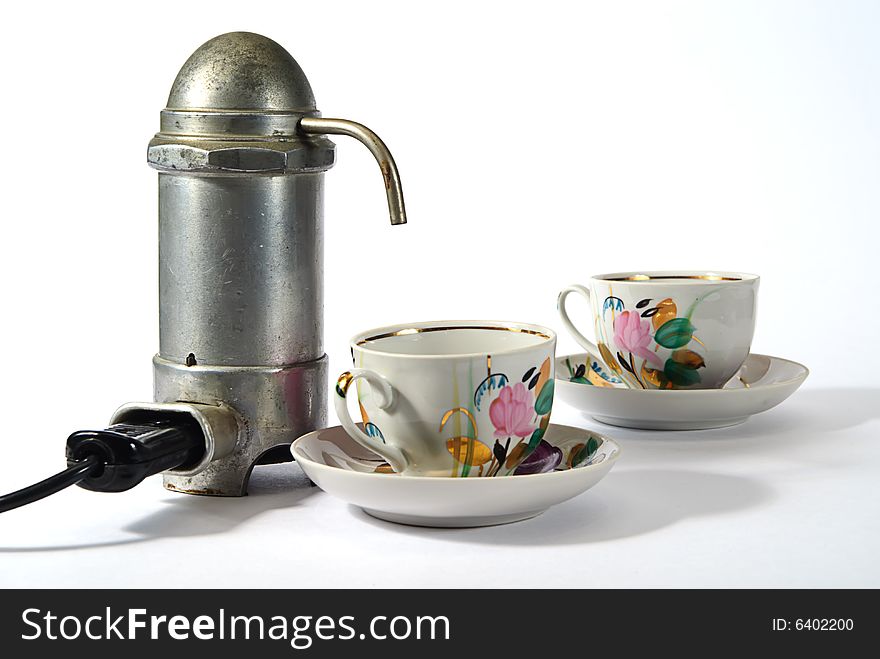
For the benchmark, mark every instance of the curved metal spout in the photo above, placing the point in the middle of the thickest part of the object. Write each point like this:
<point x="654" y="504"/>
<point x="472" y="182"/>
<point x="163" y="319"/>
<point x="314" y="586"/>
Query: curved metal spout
<point x="393" y="189"/>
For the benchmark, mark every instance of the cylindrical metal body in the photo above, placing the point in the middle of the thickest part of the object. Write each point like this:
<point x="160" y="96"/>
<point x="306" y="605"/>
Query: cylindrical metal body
<point x="241" y="262"/>
<point x="241" y="252"/>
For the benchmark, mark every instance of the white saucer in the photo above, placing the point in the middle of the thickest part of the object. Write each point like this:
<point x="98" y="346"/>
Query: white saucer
<point x="762" y="383"/>
<point x="341" y="467"/>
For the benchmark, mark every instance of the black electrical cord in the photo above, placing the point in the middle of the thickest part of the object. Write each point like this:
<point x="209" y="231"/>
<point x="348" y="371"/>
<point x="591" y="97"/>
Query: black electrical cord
<point x="119" y="457"/>
<point x="70" y="476"/>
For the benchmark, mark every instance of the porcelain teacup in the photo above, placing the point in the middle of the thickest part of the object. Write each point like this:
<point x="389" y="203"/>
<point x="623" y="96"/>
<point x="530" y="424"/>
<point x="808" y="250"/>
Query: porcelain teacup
<point x="669" y="330"/>
<point x="451" y="398"/>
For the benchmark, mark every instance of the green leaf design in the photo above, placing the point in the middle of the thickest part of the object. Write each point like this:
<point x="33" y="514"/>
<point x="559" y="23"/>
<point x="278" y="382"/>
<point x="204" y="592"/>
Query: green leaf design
<point x="679" y="374"/>
<point x="675" y="333"/>
<point x="579" y="379"/>
<point x="534" y="440"/>
<point x="585" y="452"/>
<point x="544" y="402"/>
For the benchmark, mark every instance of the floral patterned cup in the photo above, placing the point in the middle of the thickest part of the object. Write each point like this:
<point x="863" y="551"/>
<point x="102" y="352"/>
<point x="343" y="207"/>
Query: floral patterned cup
<point x="668" y="330"/>
<point x="454" y="398"/>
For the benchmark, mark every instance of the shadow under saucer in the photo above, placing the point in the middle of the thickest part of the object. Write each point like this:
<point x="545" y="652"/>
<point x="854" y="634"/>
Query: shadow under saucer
<point x="628" y="503"/>
<point x="798" y="432"/>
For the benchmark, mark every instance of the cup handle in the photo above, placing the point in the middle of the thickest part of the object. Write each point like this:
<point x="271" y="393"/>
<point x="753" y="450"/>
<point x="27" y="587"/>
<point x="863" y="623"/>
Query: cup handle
<point x="385" y="392"/>
<point x="560" y="305"/>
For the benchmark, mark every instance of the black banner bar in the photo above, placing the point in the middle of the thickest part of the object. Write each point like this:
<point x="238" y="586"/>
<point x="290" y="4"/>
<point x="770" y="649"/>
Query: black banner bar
<point x="286" y="623"/>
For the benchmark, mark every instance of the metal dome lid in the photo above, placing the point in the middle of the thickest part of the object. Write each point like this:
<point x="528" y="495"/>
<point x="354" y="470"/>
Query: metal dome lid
<point x="241" y="71"/>
<point x="235" y="107"/>
<point x="241" y="105"/>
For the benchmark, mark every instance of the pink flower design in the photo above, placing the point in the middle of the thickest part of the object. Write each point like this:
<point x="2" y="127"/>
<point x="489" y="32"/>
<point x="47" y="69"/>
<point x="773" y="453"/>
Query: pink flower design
<point x="632" y="333"/>
<point x="512" y="412"/>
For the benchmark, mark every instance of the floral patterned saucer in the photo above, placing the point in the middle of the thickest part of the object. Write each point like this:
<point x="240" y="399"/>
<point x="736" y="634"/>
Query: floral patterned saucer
<point x="572" y="461"/>
<point x="761" y="383"/>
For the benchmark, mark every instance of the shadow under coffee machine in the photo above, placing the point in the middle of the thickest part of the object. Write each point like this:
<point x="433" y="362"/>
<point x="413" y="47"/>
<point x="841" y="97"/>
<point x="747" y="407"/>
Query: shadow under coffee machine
<point x="241" y="370"/>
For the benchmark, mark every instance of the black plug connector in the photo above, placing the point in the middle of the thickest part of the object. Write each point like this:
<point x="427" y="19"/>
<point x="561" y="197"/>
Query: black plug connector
<point x="119" y="457"/>
<point x="129" y="453"/>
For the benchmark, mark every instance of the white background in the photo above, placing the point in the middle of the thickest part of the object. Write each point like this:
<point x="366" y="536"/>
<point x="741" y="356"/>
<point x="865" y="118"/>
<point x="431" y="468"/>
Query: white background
<point x="538" y="143"/>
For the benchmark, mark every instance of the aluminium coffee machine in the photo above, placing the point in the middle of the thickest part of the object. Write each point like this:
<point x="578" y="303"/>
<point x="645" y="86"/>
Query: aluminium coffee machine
<point x="241" y="155"/>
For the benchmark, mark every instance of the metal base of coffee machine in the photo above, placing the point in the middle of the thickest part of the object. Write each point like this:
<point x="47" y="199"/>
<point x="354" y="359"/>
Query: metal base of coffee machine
<point x="274" y="406"/>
